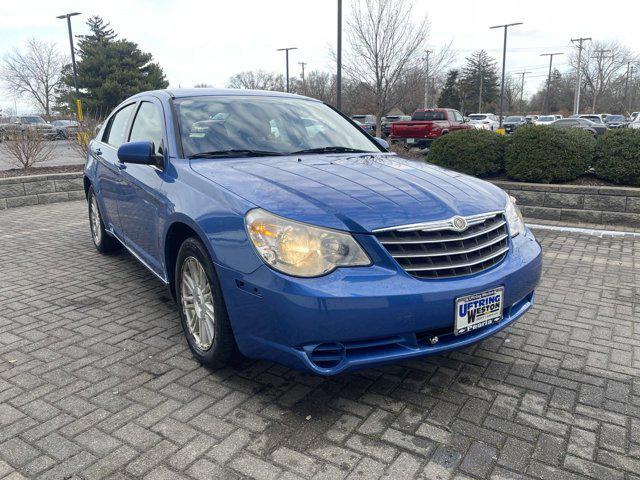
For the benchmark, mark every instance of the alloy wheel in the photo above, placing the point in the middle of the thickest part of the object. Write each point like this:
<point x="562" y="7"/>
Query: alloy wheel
<point x="197" y="303"/>
<point x="94" y="218"/>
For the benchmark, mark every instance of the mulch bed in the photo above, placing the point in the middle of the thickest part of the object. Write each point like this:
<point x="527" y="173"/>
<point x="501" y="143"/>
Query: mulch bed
<point x="24" y="172"/>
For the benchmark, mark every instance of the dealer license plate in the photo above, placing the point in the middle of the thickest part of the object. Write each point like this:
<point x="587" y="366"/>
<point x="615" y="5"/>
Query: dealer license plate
<point x="478" y="310"/>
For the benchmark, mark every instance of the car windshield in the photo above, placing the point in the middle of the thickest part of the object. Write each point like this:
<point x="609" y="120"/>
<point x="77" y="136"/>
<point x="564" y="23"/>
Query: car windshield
<point x="615" y="118"/>
<point x="513" y="119"/>
<point x="281" y="125"/>
<point x="32" y="120"/>
<point x="477" y="117"/>
<point x="546" y="118"/>
<point x="428" y="115"/>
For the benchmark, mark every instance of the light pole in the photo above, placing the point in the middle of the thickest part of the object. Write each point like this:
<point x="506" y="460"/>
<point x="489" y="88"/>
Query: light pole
<point x="339" y="59"/>
<point x="504" y="58"/>
<point x="286" y="53"/>
<point x="73" y="63"/>
<point x="522" y="91"/>
<point x="546" y="95"/>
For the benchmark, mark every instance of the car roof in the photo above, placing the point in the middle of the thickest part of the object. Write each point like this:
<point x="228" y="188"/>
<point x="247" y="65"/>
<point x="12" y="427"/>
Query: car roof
<point x="214" y="92"/>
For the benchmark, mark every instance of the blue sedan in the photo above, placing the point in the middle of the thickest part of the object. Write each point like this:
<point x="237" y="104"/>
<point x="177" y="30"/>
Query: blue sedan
<point x="285" y="232"/>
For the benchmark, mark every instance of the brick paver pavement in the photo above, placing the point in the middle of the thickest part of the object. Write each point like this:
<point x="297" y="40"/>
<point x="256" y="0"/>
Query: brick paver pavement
<point x="96" y="380"/>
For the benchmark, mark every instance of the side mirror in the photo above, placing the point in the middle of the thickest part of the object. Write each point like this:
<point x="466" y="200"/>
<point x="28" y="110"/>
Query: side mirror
<point x="383" y="143"/>
<point x="140" y="153"/>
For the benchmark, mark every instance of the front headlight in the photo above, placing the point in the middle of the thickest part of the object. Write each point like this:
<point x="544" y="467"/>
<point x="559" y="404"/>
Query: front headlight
<point x="299" y="249"/>
<point x="514" y="217"/>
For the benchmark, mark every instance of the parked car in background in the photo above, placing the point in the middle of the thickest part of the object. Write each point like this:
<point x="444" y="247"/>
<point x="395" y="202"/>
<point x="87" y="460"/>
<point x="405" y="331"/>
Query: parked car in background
<point x="634" y="116"/>
<point x="636" y="122"/>
<point x="368" y="122"/>
<point x="545" y="119"/>
<point x="426" y="125"/>
<point x="319" y="250"/>
<point x="594" y="117"/>
<point x="65" y="128"/>
<point x="389" y="119"/>
<point x="484" y="121"/>
<point x="616" y="121"/>
<point x="513" y="122"/>
<point x="531" y="118"/>
<point x="367" y="127"/>
<point x="596" y="129"/>
<point x="28" y="123"/>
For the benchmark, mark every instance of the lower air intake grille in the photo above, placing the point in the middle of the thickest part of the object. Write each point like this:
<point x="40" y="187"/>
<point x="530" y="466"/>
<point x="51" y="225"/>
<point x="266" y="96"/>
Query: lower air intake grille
<point x="437" y="250"/>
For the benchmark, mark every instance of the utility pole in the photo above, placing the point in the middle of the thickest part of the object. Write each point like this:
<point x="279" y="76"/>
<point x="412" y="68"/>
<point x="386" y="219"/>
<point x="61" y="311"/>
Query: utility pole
<point x="522" y="91"/>
<point x="576" y="96"/>
<point x="339" y="59"/>
<point x="600" y="56"/>
<point x="546" y="95"/>
<point x="286" y="54"/>
<point x="631" y="92"/>
<point x="626" y="87"/>
<point x="426" y="80"/>
<point x="73" y="63"/>
<point x="504" y="62"/>
<point x="302" y="64"/>
<point x="480" y="94"/>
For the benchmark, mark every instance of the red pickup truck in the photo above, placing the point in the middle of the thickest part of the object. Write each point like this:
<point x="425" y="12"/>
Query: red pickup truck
<point x="427" y="125"/>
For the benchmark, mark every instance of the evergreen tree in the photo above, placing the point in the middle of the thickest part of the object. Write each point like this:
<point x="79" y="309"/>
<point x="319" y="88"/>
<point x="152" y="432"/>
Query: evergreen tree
<point x="450" y="95"/>
<point x="480" y="66"/>
<point x="111" y="69"/>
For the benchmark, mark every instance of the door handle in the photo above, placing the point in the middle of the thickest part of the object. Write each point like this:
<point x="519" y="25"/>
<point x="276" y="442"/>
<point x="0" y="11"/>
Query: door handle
<point x="97" y="151"/>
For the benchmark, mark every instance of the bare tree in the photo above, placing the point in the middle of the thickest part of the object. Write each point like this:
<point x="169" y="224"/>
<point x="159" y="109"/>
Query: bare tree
<point x="383" y="45"/>
<point x="603" y="68"/>
<point x="36" y="72"/>
<point x="256" y="80"/>
<point x="25" y="149"/>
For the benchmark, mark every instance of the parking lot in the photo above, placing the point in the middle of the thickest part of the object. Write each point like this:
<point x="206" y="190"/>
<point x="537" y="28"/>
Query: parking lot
<point x="96" y="379"/>
<point x="63" y="154"/>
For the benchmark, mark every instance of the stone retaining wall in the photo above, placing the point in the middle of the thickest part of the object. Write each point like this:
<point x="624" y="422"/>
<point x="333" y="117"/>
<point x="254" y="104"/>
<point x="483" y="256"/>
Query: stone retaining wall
<point x="39" y="189"/>
<point x="571" y="203"/>
<point x="577" y="203"/>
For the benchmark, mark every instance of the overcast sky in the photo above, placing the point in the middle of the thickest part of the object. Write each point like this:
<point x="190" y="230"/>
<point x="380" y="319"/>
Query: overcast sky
<point x="208" y="41"/>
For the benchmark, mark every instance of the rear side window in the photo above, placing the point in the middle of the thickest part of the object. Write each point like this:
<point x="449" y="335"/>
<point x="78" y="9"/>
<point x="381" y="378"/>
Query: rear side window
<point x="148" y="126"/>
<point x="428" y="115"/>
<point x="116" y="131"/>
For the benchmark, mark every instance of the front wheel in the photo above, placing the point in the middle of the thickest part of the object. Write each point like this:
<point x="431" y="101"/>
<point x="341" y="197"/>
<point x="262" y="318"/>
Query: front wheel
<point x="202" y="310"/>
<point x="103" y="242"/>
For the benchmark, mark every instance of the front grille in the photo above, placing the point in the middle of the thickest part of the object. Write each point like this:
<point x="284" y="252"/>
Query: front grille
<point x="436" y="250"/>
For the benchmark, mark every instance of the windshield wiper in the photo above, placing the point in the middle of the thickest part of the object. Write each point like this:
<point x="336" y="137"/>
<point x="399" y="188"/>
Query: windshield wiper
<point x="333" y="149"/>
<point x="238" y="152"/>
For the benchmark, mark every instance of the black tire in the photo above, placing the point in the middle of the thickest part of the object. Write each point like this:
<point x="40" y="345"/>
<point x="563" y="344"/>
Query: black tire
<point x="102" y="240"/>
<point x="223" y="349"/>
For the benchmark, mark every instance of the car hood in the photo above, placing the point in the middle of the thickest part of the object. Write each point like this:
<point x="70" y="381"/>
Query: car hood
<point x="358" y="193"/>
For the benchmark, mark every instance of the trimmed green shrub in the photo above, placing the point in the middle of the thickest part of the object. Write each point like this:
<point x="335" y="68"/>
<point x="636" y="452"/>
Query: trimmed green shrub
<point x="618" y="156"/>
<point x="476" y="152"/>
<point x="543" y="154"/>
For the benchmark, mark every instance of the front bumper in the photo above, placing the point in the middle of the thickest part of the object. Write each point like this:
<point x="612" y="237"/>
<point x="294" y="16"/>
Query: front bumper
<point x="370" y="315"/>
